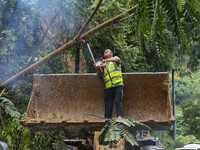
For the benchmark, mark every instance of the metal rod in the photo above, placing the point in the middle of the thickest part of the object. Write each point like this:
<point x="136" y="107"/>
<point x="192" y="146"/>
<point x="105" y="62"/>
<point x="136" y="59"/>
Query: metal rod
<point x="77" y="61"/>
<point x="174" y="104"/>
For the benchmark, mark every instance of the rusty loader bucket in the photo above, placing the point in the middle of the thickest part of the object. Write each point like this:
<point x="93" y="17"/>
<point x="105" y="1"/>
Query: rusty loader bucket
<point x="75" y="101"/>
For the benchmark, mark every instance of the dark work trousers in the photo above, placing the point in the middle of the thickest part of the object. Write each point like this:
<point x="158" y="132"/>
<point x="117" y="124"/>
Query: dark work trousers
<point x="109" y="95"/>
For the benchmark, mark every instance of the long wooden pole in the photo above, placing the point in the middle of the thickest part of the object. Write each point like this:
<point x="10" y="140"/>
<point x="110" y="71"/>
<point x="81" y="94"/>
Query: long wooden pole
<point x="107" y="23"/>
<point x="77" y="61"/>
<point x="174" y="105"/>
<point x="63" y="48"/>
<point x="89" y="19"/>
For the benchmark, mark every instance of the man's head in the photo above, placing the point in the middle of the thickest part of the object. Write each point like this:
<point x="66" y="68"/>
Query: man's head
<point x="108" y="53"/>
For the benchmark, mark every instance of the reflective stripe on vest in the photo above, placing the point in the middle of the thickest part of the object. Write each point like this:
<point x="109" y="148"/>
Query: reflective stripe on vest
<point x="112" y="75"/>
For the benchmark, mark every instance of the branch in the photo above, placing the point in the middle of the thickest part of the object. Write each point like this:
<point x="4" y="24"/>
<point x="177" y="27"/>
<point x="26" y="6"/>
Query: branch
<point x="127" y="17"/>
<point x="63" y="48"/>
<point x="48" y="28"/>
<point x="89" y="19"/>
<point x="109" y="22"/>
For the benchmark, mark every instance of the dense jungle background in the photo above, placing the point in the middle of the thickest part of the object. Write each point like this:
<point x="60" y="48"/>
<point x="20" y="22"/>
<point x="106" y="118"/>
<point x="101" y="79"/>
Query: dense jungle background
<point x="160" y="36"/>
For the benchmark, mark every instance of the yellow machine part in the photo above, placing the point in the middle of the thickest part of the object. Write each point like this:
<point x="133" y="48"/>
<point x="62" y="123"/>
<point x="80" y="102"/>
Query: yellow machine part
<point x="96" y="146"/>
<point x="63" y="101"/>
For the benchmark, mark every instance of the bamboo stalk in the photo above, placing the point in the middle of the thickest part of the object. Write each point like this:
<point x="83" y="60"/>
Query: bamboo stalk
<point x="66" y="46"/>
<point x="108" y="22"/>
<point x="89" y="19"/>
<point x="39" y="63"/>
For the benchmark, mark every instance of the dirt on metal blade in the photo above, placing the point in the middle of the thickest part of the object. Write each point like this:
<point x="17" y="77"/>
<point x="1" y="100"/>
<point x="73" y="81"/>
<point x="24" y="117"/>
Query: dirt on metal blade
<point x="78" y="98"/>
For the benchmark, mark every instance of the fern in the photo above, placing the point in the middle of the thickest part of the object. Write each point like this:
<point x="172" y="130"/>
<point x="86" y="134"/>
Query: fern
<point x="112" y="135"/>
<point x="116" y="129"/>
<point x="10" y="108"/>
<point x="128" y="136"/>
<point x="150" y="9"/>
<point x="169" y="11"/>
<point x="139" y="124"/>
<point x="183" y="37"/>
<point x="174" y="13"/>
<point x="156" y="18"/>
<point x="126" y="122"/>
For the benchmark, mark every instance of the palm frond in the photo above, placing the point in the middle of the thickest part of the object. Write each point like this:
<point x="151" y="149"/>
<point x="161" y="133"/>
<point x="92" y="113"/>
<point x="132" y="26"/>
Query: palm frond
<point x="139" y="124"/>
<point x="169" y="11"/>
<point x="150" y="9"/>
<point x="126" y="122"/>
<point x="116" y="129"/>
<point x="10" y="108"/>
<point x="128" y="136"/>
<point x="156" y="18"/>
<point x="183" y="38"/>
<point x="174" y="13"/>
<point x="113" y="134"/>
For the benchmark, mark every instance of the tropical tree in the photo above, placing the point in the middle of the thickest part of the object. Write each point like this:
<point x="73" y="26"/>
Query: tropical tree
<point x="182" y="140"/>
<point x="191" y="116"/>
<point x="158" y="27"/>
<point x="154" y="37"/>
<point x="7" y="107"/>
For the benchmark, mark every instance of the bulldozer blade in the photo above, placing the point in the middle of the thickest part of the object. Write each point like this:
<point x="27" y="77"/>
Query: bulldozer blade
<point x="71" y="101"/>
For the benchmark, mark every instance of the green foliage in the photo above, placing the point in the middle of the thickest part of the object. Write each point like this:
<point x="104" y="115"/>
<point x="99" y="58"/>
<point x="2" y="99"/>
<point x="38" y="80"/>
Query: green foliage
<point x="116" y="129"/>
<point x="183" y="90"/>
<point x="195" y="4"/>
<point x="156" y="38"/>
<point x="190" y="109"/>
<point x="194" y="52"/>
<point x="168" y="16"/>
<point x="181" y="140"/>
<point x="21" y="138"/>
<point x="132" y="60"/>
<point x="180" y="4"/>
<point x="156" y="18"/>
<point x="180" y="124"/>
<point x="153" y="36"/>
<point x="183" y="38"/>
<point x="165" y="139"/>
<point x="9" y="108"/>
<point x="183" y="86"/>
<point x="186" y="85"/>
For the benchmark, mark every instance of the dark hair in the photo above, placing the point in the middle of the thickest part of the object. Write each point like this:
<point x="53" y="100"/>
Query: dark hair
<point x="108" y="49"/>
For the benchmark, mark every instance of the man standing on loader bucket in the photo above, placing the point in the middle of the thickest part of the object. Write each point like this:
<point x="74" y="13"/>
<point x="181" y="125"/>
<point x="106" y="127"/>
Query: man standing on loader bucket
<point x="113" y="84"/>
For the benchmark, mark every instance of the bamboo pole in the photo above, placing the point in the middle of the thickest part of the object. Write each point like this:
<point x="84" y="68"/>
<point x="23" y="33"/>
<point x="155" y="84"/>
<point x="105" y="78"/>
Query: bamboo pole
<point x="66" y="46"/>
<point x="89" y="19"/>
<point x="107" y="23"/>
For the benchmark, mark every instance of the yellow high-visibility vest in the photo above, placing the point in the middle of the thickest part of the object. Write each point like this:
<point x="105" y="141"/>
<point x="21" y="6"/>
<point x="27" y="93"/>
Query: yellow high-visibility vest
<point x="112" y="75"/>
